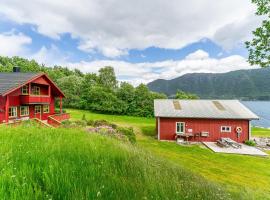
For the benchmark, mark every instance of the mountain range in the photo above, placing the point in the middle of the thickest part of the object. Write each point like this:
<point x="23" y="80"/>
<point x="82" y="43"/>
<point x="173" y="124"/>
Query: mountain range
<point x="251" y="84"/>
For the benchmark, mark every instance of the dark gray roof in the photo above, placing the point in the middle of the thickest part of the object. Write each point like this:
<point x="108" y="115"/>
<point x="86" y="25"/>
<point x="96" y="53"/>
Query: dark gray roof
<point x="9" y="81"/>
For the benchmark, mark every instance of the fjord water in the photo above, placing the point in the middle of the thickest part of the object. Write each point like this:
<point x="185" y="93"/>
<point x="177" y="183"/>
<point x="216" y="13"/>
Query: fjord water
<point x="262" y="109"/>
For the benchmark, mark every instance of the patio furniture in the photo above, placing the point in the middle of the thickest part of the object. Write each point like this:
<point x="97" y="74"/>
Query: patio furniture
<point x="228" y="142"/>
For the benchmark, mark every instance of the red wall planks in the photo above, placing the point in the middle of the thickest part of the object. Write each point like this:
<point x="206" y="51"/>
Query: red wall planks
<point x="195" y="126"/>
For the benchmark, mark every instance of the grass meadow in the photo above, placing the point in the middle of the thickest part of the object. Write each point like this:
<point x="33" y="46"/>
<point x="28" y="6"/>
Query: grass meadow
<point x="45" y="163"/>
<point x="246" y="177"/>
<point x="260" y="132"/>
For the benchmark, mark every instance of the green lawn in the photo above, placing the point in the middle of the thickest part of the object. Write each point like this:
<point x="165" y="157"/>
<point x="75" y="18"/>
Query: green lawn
<point x="44" y="163"/>
<point x="244" y="176"/>
<point x="260" y="132"/>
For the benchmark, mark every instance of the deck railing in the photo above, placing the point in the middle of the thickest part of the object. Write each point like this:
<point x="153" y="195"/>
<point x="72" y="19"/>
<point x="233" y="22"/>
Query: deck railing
<point x="56" y="119"/>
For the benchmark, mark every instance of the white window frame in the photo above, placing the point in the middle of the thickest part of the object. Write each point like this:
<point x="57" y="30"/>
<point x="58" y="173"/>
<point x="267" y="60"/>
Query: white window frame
<point x="36" y="109"/>
<point x="36" y="90"/>
<point x="181" y="124"/>
<point x="25" y="90"/>
<point x="47" y="108"/>
<point x="225" y="129"/>
<point x="13" y="112"/>
<point x="27" y="111"/>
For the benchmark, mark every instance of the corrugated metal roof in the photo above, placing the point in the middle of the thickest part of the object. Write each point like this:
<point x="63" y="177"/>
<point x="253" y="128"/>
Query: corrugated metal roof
<point x="213" y="109"/>
<point x="12" y="80"/>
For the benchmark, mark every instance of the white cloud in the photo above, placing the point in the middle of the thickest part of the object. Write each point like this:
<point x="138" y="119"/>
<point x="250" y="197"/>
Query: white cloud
<point x="237" y="32"/>
<point x="13" y="44"/>
<point x="114" y="26"/>
<point x="197" y="55"/>
<point x="50" y="56"/>
<point x="196" y="62"/>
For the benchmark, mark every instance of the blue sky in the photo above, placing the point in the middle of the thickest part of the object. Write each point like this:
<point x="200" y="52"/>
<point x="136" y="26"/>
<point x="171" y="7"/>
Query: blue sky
<point x="143" y="41"/>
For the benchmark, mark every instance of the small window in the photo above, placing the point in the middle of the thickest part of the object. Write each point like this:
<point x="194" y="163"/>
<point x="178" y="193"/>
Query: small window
<point x="226" y="129"/>
<point x="46" y="108"/>
<point x="24" y="111"/>
<point x="37" y="109"/>
<point x="180" y="127"/>
<point x="36" y="90"/>
<point x="25" y="89"/>
<point x="12" y="112"/>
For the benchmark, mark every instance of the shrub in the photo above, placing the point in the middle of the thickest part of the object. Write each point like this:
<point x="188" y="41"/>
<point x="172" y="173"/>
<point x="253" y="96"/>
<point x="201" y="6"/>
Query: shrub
<point x="80" y="123"/>
<point x="66" y="122"/>
<point x="101" y="123"/>
<point x="104" y="123"/>
<point x="90" y="122"/>
<point x="250" y="143"/>
<point x="129" y="132"/>
<point x="83" y="117"/>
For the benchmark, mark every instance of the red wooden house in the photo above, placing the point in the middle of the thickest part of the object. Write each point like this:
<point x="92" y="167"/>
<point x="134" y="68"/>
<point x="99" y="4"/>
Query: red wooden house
<point x="202" y="120"/>
<point x="29" y="95"/>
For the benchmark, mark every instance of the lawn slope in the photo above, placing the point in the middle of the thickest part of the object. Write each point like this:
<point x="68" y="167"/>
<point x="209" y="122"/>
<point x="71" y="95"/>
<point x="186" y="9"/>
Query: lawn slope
<point x="246" y="177"/>
<point x="260" y="132"/>
<point x="44" y="163"/>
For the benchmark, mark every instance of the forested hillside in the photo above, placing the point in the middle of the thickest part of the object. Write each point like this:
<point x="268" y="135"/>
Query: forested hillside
<point x="242" y="84"/>
<point x="96" y="92"/>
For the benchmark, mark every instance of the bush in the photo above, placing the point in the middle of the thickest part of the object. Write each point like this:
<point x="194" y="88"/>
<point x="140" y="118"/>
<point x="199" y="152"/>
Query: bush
<point x="66" y="122"/>
<point x="104" y="123"/>
<point x="250" y="143"/>
<point x="90" y="122"/>
<point x="129" y="132"/>
<point x="83" y="117"/>
<point x="101" y="123"/>
<point x="80" y="123"/>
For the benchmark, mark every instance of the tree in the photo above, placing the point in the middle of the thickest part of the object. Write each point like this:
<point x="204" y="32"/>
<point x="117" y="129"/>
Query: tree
<point x="185" y="95"/>
<point x="101" y="100"/>
<point x="259" y="46"/>
<point x="72" y="88"/>
<point x="126" y="93"/>
<point x="107" y="77"/>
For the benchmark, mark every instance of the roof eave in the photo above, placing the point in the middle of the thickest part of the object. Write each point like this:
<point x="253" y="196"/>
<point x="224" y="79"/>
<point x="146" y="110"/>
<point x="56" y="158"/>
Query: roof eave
<point x="251" y="118"/>
<point x="30" y="80"/>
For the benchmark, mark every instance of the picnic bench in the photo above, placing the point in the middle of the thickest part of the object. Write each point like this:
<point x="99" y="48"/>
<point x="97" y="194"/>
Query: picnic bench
<point x="228" y="142"/>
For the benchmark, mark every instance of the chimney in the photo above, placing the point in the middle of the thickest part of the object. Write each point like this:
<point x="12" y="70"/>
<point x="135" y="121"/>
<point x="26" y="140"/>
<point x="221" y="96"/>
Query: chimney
<point x="16" y="69"/>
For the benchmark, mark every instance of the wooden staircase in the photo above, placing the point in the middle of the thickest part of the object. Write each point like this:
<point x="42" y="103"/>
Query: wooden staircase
<point x="42" y="123"/>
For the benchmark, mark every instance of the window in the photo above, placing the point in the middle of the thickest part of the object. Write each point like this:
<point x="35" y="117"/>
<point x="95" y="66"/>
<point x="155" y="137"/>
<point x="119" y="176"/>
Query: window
<point x="36" y="90"/>
<point x="12" y="112"/>
<point x="46" y="109"/>
<point x="37" y="109"/>
<point x="25" y="89"/>
<point x="180" y="127"/>
<point x="24" y="111"/>
<point x="226" y="129"/>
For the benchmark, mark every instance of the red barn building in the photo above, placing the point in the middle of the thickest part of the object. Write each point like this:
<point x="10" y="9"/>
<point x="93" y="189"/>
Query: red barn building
<point x="202" y="120"/>
<point x="29" y="95"/>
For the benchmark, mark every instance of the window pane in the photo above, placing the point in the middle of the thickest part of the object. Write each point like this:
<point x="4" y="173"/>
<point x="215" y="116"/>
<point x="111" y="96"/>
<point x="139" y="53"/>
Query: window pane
<point x="181" y="127"/>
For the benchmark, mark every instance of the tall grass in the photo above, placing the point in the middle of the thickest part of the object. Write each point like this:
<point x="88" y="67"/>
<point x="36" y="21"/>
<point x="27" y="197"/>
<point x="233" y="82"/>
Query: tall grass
<point x="40" y="163"/>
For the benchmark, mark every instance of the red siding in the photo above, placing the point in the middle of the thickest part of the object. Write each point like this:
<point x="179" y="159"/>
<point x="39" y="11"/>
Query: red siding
<point x="2" y="108"/>
<point x="168" y="128"/>
<point x="16" y="100"/>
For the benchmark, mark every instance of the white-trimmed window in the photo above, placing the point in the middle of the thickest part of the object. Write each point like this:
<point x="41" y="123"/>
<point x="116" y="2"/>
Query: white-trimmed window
<point x="180" y="127"/>
<point x="46" y="108"/>
<point x="37" y="109"/>
<point x="36" y="90"/>
<point x="226" y="129"/>
<point x="25" y="89"/>
<point x="12" y="112"/>
<point x="24" y="111"/>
